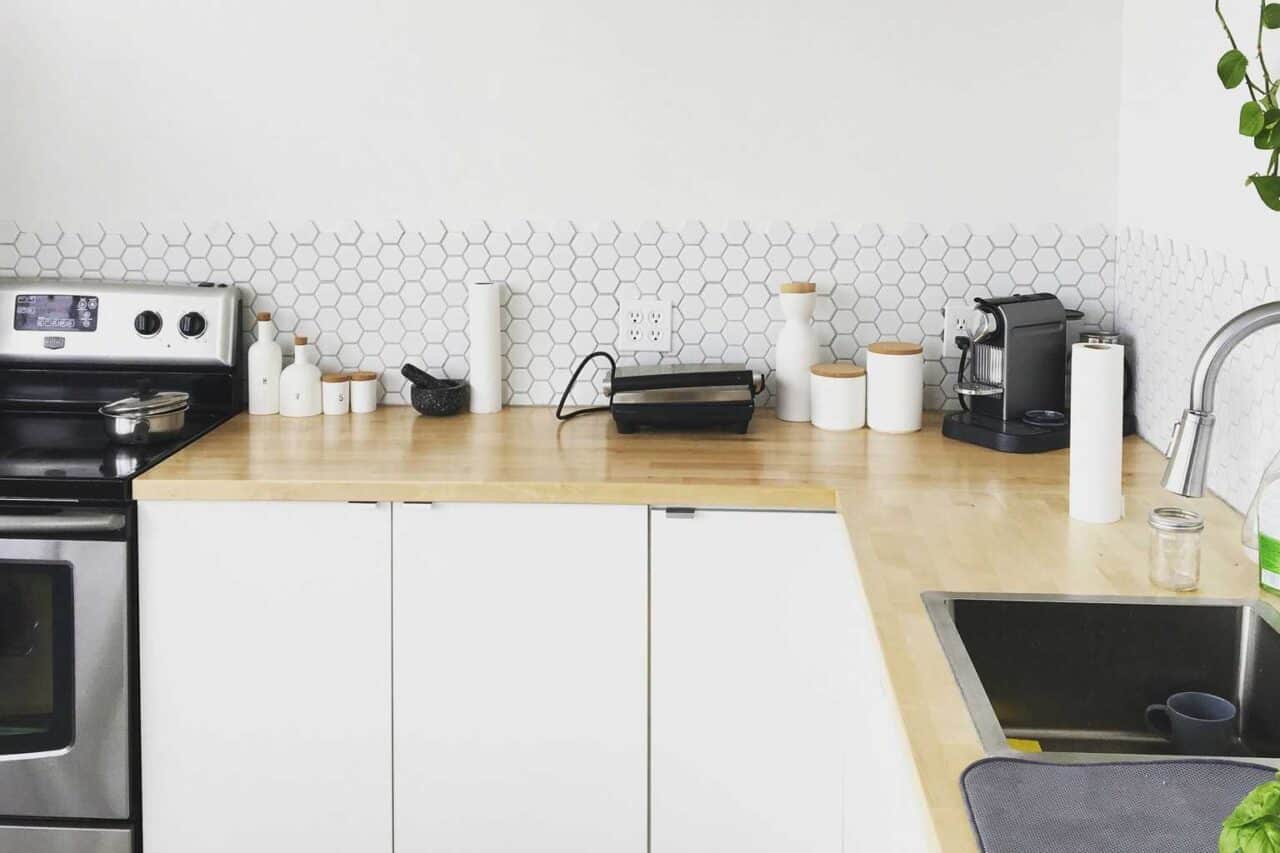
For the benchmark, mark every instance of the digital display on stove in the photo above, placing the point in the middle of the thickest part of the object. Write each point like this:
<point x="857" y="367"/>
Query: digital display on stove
<point x="47" y="312"/>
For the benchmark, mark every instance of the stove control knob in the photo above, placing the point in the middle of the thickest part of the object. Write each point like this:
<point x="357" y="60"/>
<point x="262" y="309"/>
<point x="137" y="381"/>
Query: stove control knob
<point x="192" y="325"/>
<point x="147" y="323"/>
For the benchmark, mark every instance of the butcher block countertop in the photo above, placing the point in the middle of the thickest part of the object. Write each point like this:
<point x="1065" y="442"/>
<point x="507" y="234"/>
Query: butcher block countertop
<point x="923" y="512"/>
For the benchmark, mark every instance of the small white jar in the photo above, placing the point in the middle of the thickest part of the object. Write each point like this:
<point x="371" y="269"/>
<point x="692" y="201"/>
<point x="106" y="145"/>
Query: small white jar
<point x="838" y="396"/>
<point x="895" y="386"/>
<point x="335" y="388"/>
<point x="364" y="392"/>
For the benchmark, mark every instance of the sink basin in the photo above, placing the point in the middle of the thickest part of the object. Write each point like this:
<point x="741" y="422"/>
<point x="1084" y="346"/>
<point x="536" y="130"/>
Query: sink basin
<point x="1076" y="674"/>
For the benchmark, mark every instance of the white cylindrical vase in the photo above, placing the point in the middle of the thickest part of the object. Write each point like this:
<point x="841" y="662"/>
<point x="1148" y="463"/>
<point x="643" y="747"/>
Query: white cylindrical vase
<point x="484" y="354"/>
<point x="795" y="351"/>
<point x="895" y="386"/>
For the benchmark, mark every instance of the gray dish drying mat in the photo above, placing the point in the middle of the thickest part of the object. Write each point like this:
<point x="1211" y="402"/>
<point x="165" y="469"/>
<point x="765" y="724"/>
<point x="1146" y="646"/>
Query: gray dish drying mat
<point x="1020" y="806"/>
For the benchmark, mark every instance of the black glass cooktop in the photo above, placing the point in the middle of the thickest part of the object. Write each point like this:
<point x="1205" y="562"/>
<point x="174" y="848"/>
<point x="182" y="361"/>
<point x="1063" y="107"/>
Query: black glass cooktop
<point x="67" y="455"/>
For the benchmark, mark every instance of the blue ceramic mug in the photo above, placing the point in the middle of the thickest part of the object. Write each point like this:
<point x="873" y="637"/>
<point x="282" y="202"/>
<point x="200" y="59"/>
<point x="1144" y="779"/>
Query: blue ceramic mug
<point x="1195" y="723"/>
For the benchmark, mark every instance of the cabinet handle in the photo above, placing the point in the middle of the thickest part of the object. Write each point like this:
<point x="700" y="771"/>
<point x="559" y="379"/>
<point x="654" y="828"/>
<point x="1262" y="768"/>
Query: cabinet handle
<point x="680" y="512"/>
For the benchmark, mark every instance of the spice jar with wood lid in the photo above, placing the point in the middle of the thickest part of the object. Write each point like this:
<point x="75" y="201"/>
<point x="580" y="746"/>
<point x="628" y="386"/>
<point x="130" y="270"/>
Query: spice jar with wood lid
<point x="838" y="396"/>
<point x="364" y="392"/>
<point x="336" y="391"/>
<point x="895" y="386"/>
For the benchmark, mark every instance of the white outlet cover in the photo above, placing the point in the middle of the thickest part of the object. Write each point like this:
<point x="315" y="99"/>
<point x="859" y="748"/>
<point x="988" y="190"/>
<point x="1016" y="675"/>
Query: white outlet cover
<point x="644" y="325"/>
<point x="954" y="313"/>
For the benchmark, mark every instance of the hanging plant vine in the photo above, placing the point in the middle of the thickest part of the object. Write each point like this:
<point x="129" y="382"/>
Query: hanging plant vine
<point x="1260" y="115"/>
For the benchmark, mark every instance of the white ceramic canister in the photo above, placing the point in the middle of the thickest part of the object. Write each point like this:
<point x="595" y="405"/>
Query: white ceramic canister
<point x="335" y="388"/>
<point x="895" y="386"/>
<point x="795" y="351"/>
<point x="264" y="365"/>
<point x="300" y="383"/>
<point x="364" y="392"/>
<point x="838" y="396"/>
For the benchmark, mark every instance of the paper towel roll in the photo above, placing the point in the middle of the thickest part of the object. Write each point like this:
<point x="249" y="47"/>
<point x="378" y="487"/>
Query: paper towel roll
<point x="1097" y="432"/>
<point x="485" y="352"/>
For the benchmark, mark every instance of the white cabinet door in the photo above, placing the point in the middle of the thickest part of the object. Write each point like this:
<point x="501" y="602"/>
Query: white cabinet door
<point x="266" y="677"/>
<point x="762" y="691"/>
<point x="520" y="678"/>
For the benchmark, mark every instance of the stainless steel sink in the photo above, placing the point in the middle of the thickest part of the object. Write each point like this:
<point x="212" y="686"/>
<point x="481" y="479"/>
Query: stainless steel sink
<point x="1075" y="674"/>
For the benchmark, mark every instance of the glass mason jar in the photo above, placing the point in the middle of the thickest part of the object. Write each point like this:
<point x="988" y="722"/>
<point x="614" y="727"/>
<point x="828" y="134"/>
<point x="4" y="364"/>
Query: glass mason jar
<point x="1174" y="552"/>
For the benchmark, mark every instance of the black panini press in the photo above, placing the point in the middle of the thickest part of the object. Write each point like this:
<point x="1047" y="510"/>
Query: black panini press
<point x="683" y="396"/>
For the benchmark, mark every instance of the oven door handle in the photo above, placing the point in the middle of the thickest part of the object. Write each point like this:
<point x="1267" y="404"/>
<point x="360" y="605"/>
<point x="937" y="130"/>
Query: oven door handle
<point x="60" y="523"/>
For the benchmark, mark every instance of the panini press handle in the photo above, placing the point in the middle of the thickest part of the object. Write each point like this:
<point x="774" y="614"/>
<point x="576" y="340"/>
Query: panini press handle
<point x="757" y="384"/>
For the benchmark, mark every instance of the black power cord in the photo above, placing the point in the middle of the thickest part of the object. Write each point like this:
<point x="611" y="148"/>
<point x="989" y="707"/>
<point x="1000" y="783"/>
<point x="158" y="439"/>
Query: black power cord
<point x="613" y="366"/>
<point x="963" y="343"/>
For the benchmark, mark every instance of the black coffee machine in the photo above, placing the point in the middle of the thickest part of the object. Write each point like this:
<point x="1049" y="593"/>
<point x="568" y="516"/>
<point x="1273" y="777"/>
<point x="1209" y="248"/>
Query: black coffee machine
<point x="1013" y="376"/>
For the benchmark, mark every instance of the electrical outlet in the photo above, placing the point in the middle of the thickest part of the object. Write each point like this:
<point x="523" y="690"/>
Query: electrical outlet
<point x="644" y="326"/>
<point x="954" y="313"/>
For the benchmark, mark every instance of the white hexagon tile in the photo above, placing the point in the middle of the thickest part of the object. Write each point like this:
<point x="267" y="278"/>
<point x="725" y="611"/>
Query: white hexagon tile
<point x="1171" y="297"/>
<point x="373" y="296"/>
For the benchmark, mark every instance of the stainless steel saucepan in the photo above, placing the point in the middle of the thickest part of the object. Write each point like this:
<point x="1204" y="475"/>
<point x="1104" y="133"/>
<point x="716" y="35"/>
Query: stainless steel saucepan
<point x="146" y="418"/>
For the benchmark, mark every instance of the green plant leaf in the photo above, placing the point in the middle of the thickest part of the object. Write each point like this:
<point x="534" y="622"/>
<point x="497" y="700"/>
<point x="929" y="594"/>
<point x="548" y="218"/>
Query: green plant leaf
<point x="1254" y="826"/>
<point x="1231" y="68"/>
<point x="1271" y="16"/>
<point x="1268" y="187"/>
<point x="1251" y="121"/>
<point x="1269" y="137"/>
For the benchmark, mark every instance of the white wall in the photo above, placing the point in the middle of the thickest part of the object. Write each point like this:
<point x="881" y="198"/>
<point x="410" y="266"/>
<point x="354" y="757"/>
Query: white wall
<point x="1182" y="163"/>
<point x="1197" y="245"/>
<point x="874" y="110"/>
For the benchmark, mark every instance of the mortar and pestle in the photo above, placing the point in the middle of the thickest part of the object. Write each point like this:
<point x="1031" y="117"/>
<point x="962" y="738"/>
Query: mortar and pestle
<point x="432" y="396"/>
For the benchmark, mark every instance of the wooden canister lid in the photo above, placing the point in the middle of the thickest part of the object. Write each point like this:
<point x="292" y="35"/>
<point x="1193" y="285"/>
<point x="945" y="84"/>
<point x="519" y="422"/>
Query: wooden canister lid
<point x="335" y="377"/>
<point x="896" y="348"/>
<point x="299" y="340"/>
<point x="264" y="316"/>
<point x="798" y="287"/>
<point x="363" y="376"/>
<point x="838" y="370"/>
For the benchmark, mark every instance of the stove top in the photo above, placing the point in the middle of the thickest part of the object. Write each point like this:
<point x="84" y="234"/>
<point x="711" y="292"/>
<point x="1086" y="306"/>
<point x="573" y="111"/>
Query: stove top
<point x="48" y="455"/>
<point x="67" y="347"/>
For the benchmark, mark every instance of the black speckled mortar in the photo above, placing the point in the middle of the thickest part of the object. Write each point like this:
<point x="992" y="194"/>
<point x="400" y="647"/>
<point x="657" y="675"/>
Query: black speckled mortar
<point x="449" y="397"/>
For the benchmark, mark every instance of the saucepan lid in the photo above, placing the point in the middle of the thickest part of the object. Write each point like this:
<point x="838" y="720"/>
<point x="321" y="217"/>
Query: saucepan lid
<point x="146" y="405"/>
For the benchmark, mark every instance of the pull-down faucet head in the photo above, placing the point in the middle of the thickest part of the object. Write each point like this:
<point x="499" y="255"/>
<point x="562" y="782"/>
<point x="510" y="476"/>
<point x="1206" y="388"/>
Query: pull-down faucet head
<point x="1188" y="451"/>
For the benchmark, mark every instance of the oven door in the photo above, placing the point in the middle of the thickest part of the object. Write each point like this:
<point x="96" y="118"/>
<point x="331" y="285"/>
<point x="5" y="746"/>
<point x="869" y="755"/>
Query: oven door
<point x="64" y="664"/>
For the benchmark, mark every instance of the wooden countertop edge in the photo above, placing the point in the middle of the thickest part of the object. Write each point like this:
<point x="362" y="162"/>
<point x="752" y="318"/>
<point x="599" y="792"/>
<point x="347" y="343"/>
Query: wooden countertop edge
<point x="940" y="821"/>
<point x="754" y="496"/>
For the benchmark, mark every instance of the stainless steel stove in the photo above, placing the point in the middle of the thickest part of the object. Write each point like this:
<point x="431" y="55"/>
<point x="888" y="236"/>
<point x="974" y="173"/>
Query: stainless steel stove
<point x="69" y="776"/>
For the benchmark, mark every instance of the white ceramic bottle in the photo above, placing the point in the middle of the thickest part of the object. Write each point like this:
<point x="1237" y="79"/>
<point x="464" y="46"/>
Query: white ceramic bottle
<point x="796" y="350"/>
<point x="300" y="395"/>
<point x="265" y="359"/>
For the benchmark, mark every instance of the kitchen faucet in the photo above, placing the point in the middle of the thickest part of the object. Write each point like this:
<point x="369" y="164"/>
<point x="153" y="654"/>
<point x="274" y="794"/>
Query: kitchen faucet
<point x="1188" y="451"/>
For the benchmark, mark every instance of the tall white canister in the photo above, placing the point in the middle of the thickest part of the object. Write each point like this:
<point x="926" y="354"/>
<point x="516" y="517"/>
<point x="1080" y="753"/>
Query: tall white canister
<point x="895" y="386"/>
<point x="796" y="350"/>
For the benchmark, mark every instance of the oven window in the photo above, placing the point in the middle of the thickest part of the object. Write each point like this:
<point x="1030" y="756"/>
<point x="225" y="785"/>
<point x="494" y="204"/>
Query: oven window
<point x="37" y="693"/>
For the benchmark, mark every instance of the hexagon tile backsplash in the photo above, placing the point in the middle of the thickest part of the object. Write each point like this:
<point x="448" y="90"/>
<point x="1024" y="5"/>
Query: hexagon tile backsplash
<point x="372" y="296"/>
<point x="1170" y="299"/>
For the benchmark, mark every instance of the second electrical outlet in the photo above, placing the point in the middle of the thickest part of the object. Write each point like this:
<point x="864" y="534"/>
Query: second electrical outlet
<point x="644" y="325"/>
